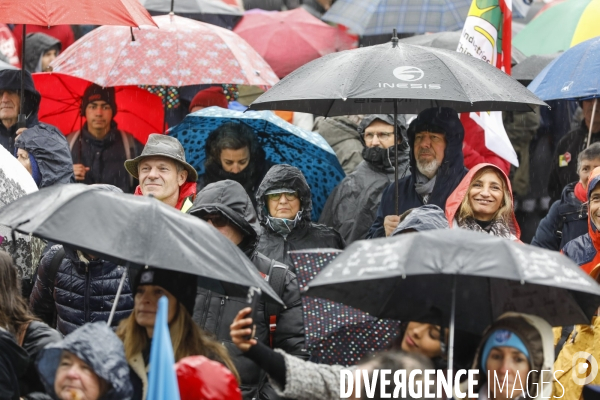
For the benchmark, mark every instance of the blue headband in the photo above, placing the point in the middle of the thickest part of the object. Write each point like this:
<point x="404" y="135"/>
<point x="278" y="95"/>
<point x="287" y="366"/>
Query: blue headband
<point x="35" y="169"/>
<point x="502" y="338"/>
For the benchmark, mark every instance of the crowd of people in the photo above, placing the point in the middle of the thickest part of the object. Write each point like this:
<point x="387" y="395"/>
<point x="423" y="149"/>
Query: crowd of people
<point x="59" y="338"/>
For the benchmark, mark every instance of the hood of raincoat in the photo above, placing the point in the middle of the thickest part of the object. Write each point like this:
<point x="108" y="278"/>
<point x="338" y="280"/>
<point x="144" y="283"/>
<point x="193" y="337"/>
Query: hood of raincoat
<point x="36" y="45"/>
<point x="105" y="357"/>
<point x="11" y="79"/>
<point x="284" y="176"/>
<point x="230" y="199"/>
<point x="424" y="218"/>
<point x="536" y="334"/>
<point x="456" y="198"/>
<point x="51" y="151"/>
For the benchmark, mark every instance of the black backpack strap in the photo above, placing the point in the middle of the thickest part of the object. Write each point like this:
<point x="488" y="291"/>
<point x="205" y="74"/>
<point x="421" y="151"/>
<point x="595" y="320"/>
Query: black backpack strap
<point x="277" y="274"/>
<point x="564" y="335"/>
<point x="54" y="266"/>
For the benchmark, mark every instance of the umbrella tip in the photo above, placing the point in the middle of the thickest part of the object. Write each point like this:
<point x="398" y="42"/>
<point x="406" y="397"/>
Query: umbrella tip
<point x="394" y="38"/>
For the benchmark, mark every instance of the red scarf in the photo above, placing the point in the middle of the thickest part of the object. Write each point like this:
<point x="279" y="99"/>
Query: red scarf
<point x="580" y="192"/>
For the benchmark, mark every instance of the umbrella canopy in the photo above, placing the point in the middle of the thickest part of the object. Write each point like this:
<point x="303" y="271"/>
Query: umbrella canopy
<point x="282" y="142"/>
<point x="559" y="27"/>
<point x="335" y="333"/>
<point x="306" y="38"/>
<point x="182" y="52"/>
<point x="573" y="75"/>
<point x="449" y="41"/>
<point x="61" y="12"/>
<point x="406" y="276"/>
<point x="5" y="65"/>
<point x="376" y="17"/>
<point x="528" y="69"/>
<point x="214" y="12"/>
<point x="16" y="183"/>
<point x="139" y="112"/>
<point x="135" y="229"/>
<point x="369" y="80"/>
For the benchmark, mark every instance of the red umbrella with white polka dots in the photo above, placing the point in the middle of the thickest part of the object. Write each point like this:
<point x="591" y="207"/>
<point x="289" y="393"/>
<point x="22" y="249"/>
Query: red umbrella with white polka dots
<point x="180" y="52"/>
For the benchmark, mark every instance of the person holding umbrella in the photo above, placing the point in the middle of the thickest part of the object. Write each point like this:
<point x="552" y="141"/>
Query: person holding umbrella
<point x="99" y="149"/>
<point x="483" y="202"/>
<point x="234" y="152"/>
<point x="188" y="339"/>
<point x="567" y="218"/>
<point x="352" y="206"/>
<point x="10" y="84"/>
<point x="435" y="138"/>
<point x="226" y="206"/>
<point x="163" y="172"/>
<point x="564" y="165"/>
<point x="284" y="207"/>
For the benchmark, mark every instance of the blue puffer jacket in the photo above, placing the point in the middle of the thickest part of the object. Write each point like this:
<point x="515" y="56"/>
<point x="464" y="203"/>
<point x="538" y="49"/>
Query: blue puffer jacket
<point x="448" y="176"/>
<point x="566" y="220"/>
<point x="83" y="292"/>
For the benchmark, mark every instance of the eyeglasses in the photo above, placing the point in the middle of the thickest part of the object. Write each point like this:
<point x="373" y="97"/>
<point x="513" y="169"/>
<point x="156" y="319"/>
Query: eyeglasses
<point x="276" y="196"/>
<point x="369" y="136"/>
<point x="218" y="221"/>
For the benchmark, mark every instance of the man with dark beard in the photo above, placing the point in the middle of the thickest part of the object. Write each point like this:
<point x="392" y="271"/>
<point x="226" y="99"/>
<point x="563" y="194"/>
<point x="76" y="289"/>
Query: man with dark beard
<point x="352" y="206"/>
<point x="233" y="152"/>
<point x="435" y="138"/>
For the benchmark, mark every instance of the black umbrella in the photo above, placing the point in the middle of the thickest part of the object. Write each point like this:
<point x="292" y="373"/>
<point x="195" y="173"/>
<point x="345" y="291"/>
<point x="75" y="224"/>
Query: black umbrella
<point x="133" y="230"/>
<point x="528" y="69"/>
<point x="473" y="278"/>
<point x="449" y="40"/>
<point x="392" y="78"/>
<point x="214" y="12"/>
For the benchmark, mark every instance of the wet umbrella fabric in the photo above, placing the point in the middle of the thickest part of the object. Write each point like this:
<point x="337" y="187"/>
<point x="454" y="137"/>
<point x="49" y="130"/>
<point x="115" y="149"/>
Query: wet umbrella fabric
<point x="139" y="112"/>
<point x="407" y="275"/>
<point x="182" y="52"/>
<point x="16" y="183"/>
<point x="529" y="68"/>
<point x="369" y="79"/>
<point x="306" y="38"/>
<point x="449" y="41"/>
<point x="214" y="12"/>
<point x="135" y="229"/>
<point x="575" y="74"/>
<point x="282" y="142"/>
<point x="335" y="333"/>
<point x="376" y="17"/>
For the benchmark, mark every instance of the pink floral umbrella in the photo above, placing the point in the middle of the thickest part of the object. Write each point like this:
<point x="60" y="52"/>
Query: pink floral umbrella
<point x="181" y="52"/>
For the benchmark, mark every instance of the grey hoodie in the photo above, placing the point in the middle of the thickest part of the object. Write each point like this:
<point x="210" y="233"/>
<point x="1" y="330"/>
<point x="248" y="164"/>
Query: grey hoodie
<point x="36" y="44"/>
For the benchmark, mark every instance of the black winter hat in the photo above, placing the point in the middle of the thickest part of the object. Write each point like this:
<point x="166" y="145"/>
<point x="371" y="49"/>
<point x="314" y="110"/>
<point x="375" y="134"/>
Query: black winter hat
<point x="97" y="93"/>
<point x="181" y="285"/>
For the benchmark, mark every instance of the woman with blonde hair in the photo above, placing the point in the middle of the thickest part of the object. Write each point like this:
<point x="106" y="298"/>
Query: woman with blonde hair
<point x="187" y="338"/>
<point x="483" y="202"/>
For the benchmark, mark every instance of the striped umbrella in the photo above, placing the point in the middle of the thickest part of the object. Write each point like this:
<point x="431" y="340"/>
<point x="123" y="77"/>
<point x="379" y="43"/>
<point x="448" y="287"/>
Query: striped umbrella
<point x="560" y="27"/>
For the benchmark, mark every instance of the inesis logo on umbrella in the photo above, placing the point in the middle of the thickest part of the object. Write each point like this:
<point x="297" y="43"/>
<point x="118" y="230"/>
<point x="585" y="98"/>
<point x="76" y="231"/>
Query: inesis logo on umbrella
<point x="409" y="73"/>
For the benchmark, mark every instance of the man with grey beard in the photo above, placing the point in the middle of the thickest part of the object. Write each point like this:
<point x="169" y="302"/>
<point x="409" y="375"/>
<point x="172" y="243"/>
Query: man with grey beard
<point x="435" y="138"/>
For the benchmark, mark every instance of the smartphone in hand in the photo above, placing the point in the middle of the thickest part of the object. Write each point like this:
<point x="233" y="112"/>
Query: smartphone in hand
<point x="252" y="301"/>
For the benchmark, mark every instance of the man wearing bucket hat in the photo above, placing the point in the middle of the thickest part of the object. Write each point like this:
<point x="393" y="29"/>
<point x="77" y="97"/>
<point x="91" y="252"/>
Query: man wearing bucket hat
<point x="100" y="148"/>
<point x="164" y="173"/>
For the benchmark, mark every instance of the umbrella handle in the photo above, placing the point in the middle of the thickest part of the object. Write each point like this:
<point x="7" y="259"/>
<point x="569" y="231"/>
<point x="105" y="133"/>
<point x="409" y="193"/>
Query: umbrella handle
<point x="22" y="119"/>
<point x="592" y="122"/>
<point x="114" y="307"/>
<point x="451" y="328"/>
<point x="396" y="202"/>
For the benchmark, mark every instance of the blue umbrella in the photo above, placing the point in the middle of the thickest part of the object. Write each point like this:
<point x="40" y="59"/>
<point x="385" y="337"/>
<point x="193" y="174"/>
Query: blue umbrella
<point x="376" y="17"/>
<point x="574" y="75"/>
<point x="162" y="380"/>
<point x="283" y="143"/>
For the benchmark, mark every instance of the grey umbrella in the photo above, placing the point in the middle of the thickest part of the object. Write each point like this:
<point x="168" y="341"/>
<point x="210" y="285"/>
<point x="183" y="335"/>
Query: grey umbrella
<point x="214" y="12"/>
<point x="472" y="278"/>
<point x="528" y="69"/>
<point x="392" y="78"/>
<point x="133" y="229"/>
<point x="449" y="41"/>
